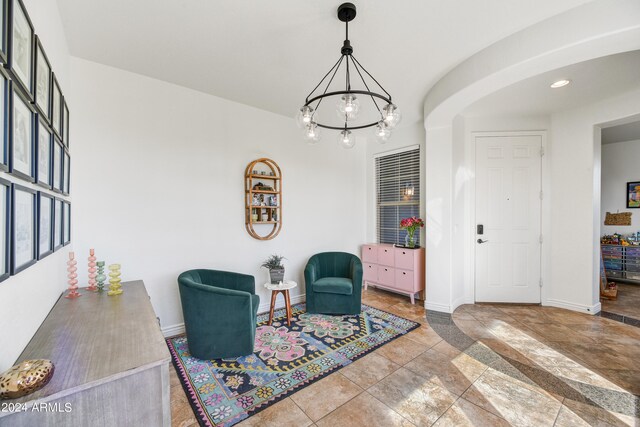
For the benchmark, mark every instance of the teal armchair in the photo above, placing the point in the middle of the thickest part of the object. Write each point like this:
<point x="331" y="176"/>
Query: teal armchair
<point x="220" y="310"/>
<point x="333" y="282"/>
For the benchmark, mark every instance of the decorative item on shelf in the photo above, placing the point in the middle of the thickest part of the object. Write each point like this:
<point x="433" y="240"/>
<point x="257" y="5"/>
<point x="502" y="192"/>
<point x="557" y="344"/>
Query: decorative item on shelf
<point x="92" y="271"/>
<point x="348" y="97"/>
<point x="114" y="280"/>
<point x="100" y="277"/>
<point x="25" y="378"/>
<point x="275" y="267"/>
<point x="254" y="215"/>
<point x="73" y="277"/>
<point x="411" y="225"/>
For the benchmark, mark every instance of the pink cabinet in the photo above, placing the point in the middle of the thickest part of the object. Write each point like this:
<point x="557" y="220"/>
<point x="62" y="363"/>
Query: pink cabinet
<point x="369" y="272"/>
<point x="370" y="253"/>
<point x="395" y="269"/>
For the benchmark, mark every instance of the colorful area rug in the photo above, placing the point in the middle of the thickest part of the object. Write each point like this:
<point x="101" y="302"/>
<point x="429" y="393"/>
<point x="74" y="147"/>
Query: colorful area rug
<point x="286" y="359"/>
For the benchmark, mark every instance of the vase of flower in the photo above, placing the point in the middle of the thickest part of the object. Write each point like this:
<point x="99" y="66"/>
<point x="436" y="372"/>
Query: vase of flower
<point x="411" y="225"/>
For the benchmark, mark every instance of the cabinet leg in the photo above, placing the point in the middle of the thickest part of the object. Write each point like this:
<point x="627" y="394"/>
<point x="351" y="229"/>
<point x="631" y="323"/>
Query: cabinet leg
<point x="274" y="294"/>
<point x="365" y="285"/>
<point x="412" y="296"/>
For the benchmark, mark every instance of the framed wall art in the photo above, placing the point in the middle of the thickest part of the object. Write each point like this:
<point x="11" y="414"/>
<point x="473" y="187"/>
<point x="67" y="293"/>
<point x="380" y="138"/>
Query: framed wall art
<point x="21" y="136"/>
<point x="24" y="228"/>
<point x="56" y="106"/>
<point x="66" y="214"/>
<point x="633" y="194"/>
<point x="4" y="13"/>
<point x="45" y="224"/>
<point x="5" y="228"/>
<point x="65" y="120"/>
<point x="57" y="165"/>
<point x="43" y="154"/>
<point x="20" y="48"/>
<point x="58" y="222"/>
<point x="42" y="90"/>
<point x="66" y="172"/>
<point x="5" y="92"/>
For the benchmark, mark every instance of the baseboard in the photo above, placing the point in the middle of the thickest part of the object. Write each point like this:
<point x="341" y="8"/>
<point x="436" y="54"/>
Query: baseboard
<point x="458" y="302"/>
<point x="177" y="329"/>
<point x="295" y="299"/>
<point x="589" y="309"/>
<point x="170" y="331"/>
<point x="434" y="306"/>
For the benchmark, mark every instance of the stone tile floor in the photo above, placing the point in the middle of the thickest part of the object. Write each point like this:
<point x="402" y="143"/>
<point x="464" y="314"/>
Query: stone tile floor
<point x="485" y="365"/>
<point x="628" y="302"/>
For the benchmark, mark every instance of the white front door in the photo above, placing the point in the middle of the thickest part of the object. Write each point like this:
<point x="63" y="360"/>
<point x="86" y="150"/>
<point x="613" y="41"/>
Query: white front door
<point x="508" y="205"/>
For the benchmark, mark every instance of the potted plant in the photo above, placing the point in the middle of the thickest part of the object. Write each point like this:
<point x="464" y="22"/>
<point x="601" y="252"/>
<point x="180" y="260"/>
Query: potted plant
<point x="276" y="269"/>
<point x="411" y="225"/>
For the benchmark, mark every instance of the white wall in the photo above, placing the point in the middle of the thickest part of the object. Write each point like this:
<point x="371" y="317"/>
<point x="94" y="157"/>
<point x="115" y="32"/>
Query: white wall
<point x="596" y="29"/>
<point x="27" y="297"/>
<point x="620" y="162"/>
<point x="575" y="154"/>
<point x="158" y="184"/>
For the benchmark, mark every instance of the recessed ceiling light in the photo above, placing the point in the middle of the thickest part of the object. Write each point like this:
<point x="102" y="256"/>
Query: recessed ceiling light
<point x="560" y="83"/>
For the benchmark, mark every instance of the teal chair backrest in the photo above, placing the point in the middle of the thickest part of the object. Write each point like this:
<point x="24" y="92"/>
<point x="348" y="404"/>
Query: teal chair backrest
<point x="333" y="264"/>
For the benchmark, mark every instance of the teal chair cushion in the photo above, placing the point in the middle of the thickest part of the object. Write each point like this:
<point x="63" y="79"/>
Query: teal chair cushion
<point x="333" y="285"/>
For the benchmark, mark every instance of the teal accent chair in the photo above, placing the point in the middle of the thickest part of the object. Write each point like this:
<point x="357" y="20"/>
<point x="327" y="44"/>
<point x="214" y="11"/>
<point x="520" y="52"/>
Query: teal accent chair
<point x="333" y="282"/>
<point x="220" y="310"/>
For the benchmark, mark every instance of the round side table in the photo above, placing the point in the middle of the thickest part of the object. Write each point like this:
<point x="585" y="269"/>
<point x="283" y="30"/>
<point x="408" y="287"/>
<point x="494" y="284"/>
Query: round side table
<point x="284" y="289"/>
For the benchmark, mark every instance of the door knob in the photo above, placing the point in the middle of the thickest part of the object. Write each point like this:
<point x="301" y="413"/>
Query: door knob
<point x="482" y="241"/>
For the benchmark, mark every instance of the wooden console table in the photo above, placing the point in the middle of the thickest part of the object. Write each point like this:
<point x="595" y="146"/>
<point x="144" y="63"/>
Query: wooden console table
<point x="111" y="364"/>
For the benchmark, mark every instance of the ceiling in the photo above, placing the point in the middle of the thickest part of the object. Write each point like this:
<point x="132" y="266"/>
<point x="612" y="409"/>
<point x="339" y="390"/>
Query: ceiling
<point x="591" y="81"/>
<point x="270" y="54"/>
<point x="621" y="133"/>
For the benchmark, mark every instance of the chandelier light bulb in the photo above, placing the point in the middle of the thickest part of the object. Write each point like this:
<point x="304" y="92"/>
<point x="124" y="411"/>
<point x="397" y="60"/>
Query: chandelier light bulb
<point x="382" y="132"/>
<point x="391" y="115"/>
<point x="348" y="107"/>
<point x="346" y="139"/>
<point x="304" y="116"/>
<point x="312" y="133"/>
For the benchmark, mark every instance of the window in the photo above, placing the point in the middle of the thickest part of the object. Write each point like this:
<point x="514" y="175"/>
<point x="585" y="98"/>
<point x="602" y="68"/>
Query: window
<point x="397" y="193"/>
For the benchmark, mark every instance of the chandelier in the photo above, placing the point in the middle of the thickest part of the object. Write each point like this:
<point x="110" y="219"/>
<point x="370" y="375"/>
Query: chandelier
<point x="384" y="113"/>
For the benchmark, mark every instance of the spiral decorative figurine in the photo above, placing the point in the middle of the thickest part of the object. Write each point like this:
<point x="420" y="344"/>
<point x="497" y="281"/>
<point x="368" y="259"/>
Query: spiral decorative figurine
<point x="100" y="277"/>
<point x="114" y="279"/>
<point x="92" y="271"/>
<point x="73" y="277"/>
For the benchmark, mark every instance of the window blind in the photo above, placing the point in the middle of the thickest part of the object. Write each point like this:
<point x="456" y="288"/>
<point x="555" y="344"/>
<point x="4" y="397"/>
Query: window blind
<point x="397" y="193"/>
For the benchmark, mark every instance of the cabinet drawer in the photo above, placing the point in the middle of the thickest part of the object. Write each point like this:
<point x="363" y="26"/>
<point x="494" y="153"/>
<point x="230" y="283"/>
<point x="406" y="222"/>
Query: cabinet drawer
<point x="369" y="253"/>
<point x="385" y="255"/>
<point x="404" y="258"/>
<point x="386" y="275"/>
<point x="370" y="272"/>
<point x="404" y="280"/>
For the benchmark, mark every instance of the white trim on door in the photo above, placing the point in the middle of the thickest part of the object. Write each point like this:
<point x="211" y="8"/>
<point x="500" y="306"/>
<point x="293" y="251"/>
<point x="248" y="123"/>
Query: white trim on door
<point x="470" y="208"/>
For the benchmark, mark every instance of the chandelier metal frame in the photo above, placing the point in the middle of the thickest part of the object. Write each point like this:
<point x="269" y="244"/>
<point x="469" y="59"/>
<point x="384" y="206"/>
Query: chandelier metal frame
<point x="346" y="13"/>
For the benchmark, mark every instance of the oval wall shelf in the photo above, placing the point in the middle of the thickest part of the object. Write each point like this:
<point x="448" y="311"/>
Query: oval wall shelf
<point x="263" y="199"/>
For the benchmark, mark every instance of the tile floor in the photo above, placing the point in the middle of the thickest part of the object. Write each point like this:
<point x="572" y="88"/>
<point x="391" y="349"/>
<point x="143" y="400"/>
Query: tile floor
<point x="485" y="365"/>
<point x="628" y="301"/>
